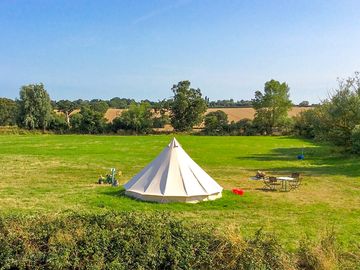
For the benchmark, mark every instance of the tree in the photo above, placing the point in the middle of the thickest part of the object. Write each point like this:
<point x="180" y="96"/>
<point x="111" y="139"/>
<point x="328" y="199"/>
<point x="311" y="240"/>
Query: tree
<point x="58" y="123"/>
<point x="81" y="103"/>
<point x="161" y="113"/>
<point x="355" y="139"/>
<point x="160" y="121"/>
<point x="340" y="114"/>
<point x="8" y="112"/>
<point x="304" y="103"/>
<point x="98" y="105"/>
<point x="67" y="107"/>
<point x="272" y="106"/>
<point x="120" y="103"/>
<point x="137" y="118"/>
<point x="35" y="107"/>
<point x="88" y="121"/>
<point x="306" y="123"/>
<point x="246" y="127"/>
<point x="216" y="122"/>
<point x="76" y="122"/>
<point x="187" y="107"/>
<point x="337" y="118"/>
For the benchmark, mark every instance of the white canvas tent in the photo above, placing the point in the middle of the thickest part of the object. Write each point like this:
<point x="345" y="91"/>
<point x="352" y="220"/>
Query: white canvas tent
<point x="173" y="176"/>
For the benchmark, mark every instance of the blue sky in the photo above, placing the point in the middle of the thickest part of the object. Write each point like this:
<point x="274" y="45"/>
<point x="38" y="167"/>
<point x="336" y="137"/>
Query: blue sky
<point x="138" y="49"/>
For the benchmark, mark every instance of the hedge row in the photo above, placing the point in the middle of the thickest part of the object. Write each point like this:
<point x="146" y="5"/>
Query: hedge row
<point x="142" y="241"/>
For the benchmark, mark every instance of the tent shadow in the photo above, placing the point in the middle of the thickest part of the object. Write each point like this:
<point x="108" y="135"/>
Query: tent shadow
<point x="319" y="161"/>
<point x="121" y="194"/>
<point x="114" y="193"/>
<point x="285" y="154"/>
<point x="264" y="190"/>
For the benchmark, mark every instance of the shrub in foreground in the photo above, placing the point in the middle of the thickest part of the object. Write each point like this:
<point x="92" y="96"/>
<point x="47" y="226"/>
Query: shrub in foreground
<point x="146" y="241"/>
<point x="126" y="241"/>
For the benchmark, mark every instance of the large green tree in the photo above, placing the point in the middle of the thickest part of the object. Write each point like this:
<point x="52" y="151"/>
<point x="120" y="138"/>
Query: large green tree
<point x="272" y="106"/>
<point x="8" y="112"/>
<point x="35" y="107"/>
<point x="187" y="107"/>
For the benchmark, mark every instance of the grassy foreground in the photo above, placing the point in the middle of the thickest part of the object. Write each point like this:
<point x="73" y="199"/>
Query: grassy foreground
<point x="51" y="174"/>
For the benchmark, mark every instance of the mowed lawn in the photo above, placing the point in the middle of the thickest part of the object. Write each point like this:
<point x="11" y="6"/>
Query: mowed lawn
<point x="53" y="174"/>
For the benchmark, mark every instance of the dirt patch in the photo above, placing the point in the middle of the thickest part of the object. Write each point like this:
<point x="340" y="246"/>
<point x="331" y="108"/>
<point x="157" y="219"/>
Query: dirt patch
<point x="237" y="114"/>
<point x="112" y="113"/>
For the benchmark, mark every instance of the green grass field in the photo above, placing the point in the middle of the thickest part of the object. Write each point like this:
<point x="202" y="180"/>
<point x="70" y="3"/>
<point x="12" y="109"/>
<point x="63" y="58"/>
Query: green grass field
<point x="52" y="174"/>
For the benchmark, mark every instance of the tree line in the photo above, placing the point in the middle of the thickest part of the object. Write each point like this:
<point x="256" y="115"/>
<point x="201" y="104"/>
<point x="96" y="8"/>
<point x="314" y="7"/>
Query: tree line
<point x="336" y="119"/>
<point x="35" y="110"/>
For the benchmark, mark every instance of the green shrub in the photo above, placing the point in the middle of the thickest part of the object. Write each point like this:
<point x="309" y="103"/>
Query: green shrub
<point x="355" y="139"/>
<point x="216" y="123"/>
<point x="88" y="121"/>
<point x="138" y="118"/>
<point x="150" y="241"/>
<point x="160" y="121"/>
<point x="245" y="127"/>
<point x="113" y="241"/>
<point x="58" y="124"/>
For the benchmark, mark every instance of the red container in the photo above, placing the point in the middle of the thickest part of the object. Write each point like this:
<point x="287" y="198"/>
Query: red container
<point x="238" y="191"/>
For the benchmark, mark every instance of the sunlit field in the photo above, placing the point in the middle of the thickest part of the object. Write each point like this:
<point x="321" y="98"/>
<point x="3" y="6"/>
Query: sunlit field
<point x="52" y="174"/>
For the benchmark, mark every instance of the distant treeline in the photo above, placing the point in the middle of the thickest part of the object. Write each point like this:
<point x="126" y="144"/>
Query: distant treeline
<point x="335" y="120"/>
<point x="34" y="109"/>
<point x="231" y="103"/>
<point x="124" y="103"/>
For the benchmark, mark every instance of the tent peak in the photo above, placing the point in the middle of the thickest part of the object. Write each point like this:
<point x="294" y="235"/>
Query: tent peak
<point x="174" y="143"/>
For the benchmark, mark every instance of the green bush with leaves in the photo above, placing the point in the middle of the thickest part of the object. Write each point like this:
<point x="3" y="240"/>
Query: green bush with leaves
<point x="355" y="139"/>
<point x="8" y="112"/>
<point x="58" y="123"/>
<point x="161" y="121"/>
<point x="88" y="121"/>
<point x="134" y="240"/>
<point x="216" y="123"/>
<point x="138" y="118"/>
<point x="336" y="118"/>
<point x="110" y="241"/>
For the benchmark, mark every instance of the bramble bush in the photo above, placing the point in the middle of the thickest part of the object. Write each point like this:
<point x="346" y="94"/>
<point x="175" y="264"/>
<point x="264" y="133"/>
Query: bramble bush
<point x="148" y="241"/>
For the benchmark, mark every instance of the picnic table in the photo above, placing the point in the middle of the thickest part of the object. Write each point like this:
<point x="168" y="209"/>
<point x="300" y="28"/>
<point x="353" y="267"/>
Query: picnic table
<point x="284" y="182"/>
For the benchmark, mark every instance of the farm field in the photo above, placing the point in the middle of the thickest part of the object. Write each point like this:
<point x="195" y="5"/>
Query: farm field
<point x="234" y="114"/>
<point x="53" y="174"/>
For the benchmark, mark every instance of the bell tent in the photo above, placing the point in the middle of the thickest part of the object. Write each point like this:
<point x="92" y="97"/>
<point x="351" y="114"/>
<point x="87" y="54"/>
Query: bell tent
<point x="173" y="177"/>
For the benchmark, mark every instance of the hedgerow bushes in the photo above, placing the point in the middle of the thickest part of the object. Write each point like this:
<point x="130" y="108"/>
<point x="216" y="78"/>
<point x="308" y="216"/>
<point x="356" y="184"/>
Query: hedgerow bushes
<point x="138" y="241"/>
